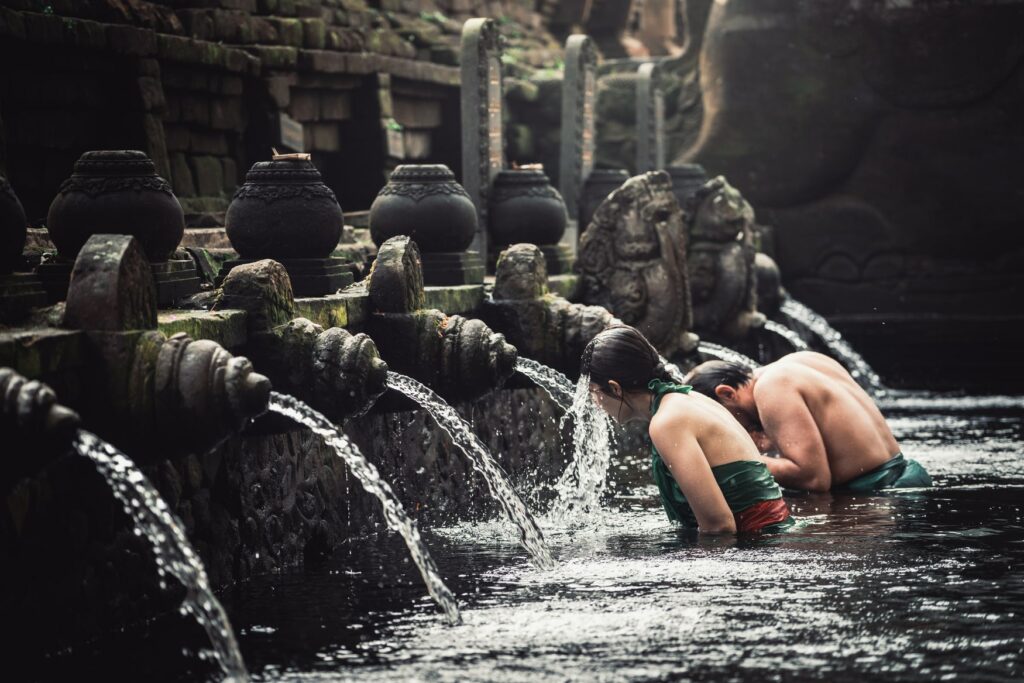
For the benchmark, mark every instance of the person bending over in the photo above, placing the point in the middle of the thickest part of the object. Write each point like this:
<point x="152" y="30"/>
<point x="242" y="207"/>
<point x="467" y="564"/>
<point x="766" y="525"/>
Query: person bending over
<point x="827" y="431"/>
<point x="706" y="467"/>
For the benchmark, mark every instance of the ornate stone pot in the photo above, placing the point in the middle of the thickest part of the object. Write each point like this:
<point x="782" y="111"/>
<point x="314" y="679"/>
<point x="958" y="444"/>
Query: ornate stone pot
<point x="116" y="192"/>
<point x="12" y="227"/>
<point x="599" y="184"/>
<point x="284" y="211"/>
<point x="524" y="207"/>
<point x="426" y="203"/>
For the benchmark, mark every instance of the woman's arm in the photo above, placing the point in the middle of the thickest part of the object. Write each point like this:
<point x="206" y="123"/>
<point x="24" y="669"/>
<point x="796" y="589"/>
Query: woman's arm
<point x="685" y="459"/>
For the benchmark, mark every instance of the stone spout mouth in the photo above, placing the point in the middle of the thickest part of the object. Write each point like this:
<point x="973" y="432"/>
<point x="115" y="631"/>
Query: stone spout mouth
<point x="32" y="421"/>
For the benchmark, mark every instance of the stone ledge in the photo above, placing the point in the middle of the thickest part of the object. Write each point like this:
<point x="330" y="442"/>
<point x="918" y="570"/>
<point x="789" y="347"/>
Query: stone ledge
<point x="41" y="352"/>
<point x="363" y="63"/>
<point x="226" y="327"/>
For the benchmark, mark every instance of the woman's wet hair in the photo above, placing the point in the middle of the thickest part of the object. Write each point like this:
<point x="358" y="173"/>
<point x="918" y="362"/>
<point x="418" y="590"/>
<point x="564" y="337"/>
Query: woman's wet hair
<point x="706" y="376"/>
<point x="623" y="354"/>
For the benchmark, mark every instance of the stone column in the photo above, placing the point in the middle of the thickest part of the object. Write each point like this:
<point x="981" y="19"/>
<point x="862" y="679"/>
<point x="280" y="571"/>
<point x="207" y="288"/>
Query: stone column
<point x="650" y="120"/>
<point x="579" y="92"/>
<point x="483" y="154"/>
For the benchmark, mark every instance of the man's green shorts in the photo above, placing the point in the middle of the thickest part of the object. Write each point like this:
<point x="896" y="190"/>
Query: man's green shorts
<point x="898" y="473"/>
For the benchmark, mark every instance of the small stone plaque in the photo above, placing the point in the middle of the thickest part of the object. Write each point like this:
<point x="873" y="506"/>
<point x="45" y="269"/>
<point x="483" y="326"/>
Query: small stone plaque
<point x="290" y="133"/>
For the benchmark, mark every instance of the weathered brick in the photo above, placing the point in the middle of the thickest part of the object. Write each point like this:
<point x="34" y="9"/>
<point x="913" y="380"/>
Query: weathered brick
<point x="198" y="23"/>
<point x="289" y="31"/>
<point x="276" y="57"/>
<point x="195" y="109"/>
<point x="88" y="35"/>
<point x="305" y="106"/>
<point x="181" y="178"/>
<point x="326" y="137"/>
<point x="230" y="169"/>
<point x="207" y="142"/>
<point x="335" y="106"/>
<point x="208" y="174"/>
<point x="151" y="94"/>
<point x="226" y="113"/>
<point x="323" y="61"/>
<point x="417" y="113"/>
<point x="134" y="42"/>
<point x="314" y="34"/>
<point x="279" y="90"/>
<point x="156" y="146"/>
<point x="176" y="136"/>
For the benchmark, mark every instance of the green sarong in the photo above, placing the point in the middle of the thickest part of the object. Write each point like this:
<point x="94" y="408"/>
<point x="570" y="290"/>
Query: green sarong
<point x="745" y="484"/>
<point x="898" y="473"/>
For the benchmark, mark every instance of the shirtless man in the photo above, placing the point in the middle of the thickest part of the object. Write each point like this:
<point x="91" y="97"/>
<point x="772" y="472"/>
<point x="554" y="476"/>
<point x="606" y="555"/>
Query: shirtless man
<point x="827" y="430"/>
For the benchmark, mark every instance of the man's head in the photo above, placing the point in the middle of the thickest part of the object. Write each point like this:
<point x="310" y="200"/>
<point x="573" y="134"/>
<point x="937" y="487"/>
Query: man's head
<point x="731" y="385"/>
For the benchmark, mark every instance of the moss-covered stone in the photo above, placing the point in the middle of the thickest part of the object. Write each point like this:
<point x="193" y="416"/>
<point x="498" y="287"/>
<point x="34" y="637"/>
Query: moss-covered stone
<point x="227" y="327"/>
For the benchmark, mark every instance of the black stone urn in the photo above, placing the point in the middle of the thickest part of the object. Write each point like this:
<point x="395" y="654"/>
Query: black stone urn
<point x="599" y="184"/>
<point x="116" y="192"/>
<point x="285" y="212"/>
<point x="12" y="228"/>
<point x="686" y="180"/>
<point x="427" y="204"/>
<point x="524" y="207"/>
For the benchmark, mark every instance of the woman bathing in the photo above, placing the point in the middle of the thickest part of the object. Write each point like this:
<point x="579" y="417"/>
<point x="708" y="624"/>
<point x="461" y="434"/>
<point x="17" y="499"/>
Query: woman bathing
<point x="704" y="463"/>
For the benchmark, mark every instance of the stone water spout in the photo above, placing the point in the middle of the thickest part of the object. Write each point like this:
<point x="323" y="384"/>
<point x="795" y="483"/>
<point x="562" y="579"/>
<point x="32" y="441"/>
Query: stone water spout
<point x="633" y="261"/>
<point x="336" y="372"/>
<point x="154" y="394"/>
<point x="542" y="326"/>
<point x="32" y="423"/>
<point x="460" y="358"/>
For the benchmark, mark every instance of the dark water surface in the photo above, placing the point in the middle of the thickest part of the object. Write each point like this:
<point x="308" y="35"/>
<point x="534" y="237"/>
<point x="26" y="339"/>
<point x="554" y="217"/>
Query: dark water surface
<point x="921" y="585"/>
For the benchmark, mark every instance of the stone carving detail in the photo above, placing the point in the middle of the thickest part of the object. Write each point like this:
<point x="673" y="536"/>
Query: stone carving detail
<point x="633" y="261"/>
<point x="542" y="326"/>
<point x="94" y="187"/>
<point x="578" y="103"/>
<point x="481" y="109"/>
<point x="460" y="358"/>
<point x="29" y="412"/>
<point x="424" y="202"/>
<point x="338" y="373"/>
<point x="269" y="194"/>
<point x="720" y="226"/>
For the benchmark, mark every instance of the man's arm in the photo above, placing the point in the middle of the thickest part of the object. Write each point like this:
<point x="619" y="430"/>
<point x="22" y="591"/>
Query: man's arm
<point x="787" y="421"/>
<point x="686" y="461"/>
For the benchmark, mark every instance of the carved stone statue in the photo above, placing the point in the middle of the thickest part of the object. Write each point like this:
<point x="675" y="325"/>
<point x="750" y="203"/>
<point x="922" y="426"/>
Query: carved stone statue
<point x="632" y="259"/>
<point x="721" y="253"/>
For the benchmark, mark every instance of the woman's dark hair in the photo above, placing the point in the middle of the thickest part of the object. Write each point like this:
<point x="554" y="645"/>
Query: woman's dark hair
<point x="706" y="376"/>
<point x="622" y="354"/>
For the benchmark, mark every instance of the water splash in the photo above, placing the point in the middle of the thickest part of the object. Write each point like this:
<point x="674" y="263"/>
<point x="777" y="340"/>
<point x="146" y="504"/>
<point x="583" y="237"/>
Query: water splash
<point x="727" y="354"/>
<point x="557" y="385"/>
<point x="369" y="477"/>
<point x="174" y="555"/>
<point x="580" y="487"/>
<point x="837" y="346"/>
<point x="480" y="458"/>
<point x="791" y="337"/>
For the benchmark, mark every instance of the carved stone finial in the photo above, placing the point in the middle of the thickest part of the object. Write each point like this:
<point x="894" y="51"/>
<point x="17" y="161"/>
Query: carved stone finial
<point x="263" y="290"/>
<point x="633" y="261"/>
<point x="112" y="288"/>
<point x="521" y="273"/>
<point x="396" y="281"/>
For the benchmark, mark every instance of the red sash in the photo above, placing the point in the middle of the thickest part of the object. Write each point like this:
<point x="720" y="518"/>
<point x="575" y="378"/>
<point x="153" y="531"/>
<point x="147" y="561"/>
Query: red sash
<point x="760" y="515"/>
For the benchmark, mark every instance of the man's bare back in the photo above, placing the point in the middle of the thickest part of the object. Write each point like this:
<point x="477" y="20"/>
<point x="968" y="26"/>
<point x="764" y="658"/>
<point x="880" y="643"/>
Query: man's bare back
<point x="808" y="403"/>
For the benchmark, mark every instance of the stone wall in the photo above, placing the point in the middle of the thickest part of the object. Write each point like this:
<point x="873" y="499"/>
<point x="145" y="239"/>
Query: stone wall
<point x="260" y="503"/>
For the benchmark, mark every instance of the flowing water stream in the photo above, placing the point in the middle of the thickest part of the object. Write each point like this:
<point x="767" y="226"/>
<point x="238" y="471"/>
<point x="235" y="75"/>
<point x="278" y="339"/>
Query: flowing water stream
<point x="369" y="477"/>
<point x="837" y="346"/>
<point x="791" y="337"/>
<point x="174" y="555"/>
<point x="725" y="353"/>
<point x="557" y="385"/>
<point x="581" y="485"/>
<point x="483" y="463"/>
